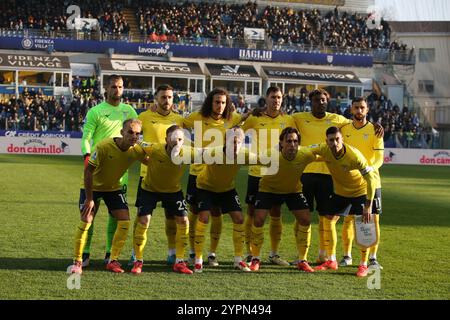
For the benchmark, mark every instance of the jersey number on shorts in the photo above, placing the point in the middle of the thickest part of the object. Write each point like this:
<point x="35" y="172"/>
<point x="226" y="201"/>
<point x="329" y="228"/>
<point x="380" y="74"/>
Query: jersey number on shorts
<point x="123" y="198"/>
<point x="182" y="205"/>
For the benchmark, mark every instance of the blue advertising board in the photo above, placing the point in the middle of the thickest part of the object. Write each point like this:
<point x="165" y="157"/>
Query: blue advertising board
<point x="186" y="51"/>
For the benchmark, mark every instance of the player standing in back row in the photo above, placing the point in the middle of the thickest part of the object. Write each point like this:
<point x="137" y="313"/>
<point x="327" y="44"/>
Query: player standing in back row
<point x="360" y="135"/>
<point x="267" y="128"/>
<point x="154" y="126"/>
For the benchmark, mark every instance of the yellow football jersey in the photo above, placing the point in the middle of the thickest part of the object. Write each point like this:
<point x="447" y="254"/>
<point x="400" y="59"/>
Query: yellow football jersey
<point x="200" y="131"/>
<point x="287" y="179"/>
<point x="312" y="131"/>
<point x="111" y="163"/>
<point x="267" y="128"/>
<point x="365" y="140"/>
<point x="162" y="174"/>
<point x="221" y="177"/>
<point x="154" y="126"/>
<point x="351" y="173"/>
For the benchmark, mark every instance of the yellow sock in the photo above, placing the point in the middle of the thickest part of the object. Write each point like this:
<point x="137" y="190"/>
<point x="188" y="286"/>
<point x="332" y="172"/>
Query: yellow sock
<point x="238" y="239"/>
<point x="119" y="238"/>
<point x="139" y="240"/>
<point x="322" y="246"/>
<point x="80" y="239"/>
<point x="275" y="229"/>
<point x="181" y="239"/>
<point x="364" y="256"/>
<point x="303" y="238"/>
<point x="200" y="230"/>
<point x="135" y="223"/>
<point x="348" y="234"/>
<point x="215" y="232"/>
<point x="192" y="221"/>
<point x="171" y="232"/>
<point x="248" y="231"/>
<point x="330" y="237"/>
<point x="257" y="241"/>
<point x="374" y="249"/>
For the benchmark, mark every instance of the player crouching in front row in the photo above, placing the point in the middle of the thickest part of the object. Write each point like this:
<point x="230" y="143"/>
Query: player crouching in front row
<point x="163" y="183"/>
<point x="354" y="192"/>
<point x="216" y="190"/>
<point x="107" y="164"/>
<point x="284" y="186"/>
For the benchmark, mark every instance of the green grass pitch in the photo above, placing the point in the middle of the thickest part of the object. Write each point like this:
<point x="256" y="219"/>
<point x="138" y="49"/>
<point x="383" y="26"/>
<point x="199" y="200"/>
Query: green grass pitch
<point x="39" y="212"/>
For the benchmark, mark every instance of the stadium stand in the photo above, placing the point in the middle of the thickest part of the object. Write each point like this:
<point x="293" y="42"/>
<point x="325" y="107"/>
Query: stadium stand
<point x="191" y="21"/>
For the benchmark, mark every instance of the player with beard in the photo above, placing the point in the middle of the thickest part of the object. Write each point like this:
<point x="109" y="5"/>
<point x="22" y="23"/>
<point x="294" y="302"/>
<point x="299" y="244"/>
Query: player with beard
<point x="360" y="134"/>
<point x="154" y="126"/>
<point x="316" y="179"/>
<point x="215" y="113"/>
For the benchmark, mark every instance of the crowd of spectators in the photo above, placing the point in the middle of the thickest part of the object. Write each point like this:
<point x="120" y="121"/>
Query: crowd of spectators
<point x="51" y="16"/>
<point x="37" y="112"/>
<point x="283" y="25"/>
<point x="169" y="21"/>
<point x="402" y="126"/>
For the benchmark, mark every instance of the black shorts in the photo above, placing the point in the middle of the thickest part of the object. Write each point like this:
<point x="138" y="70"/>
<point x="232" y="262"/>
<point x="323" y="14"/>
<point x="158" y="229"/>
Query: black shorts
<point x="82" y="197"/>
<point x="191" y="191"/>
<point x="319" y="187"/>
<point x="252" y="189"/>
<point x="294" y="201"/>
<point x="174" y="203"/>
<point x="344" y="206"/>
<point x="227" y="201"/>
<point x="114" y="200"/>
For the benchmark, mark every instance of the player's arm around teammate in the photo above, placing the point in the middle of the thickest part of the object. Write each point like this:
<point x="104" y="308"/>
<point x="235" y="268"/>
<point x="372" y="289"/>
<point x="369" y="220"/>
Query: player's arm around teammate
<point x="216" y="114"/>
<point x="155" y="122"/>
<point x="163" y="183"/>
<point x="216" y="190"/>
<point x="110" y="160"/>
<point x="316" y="180"/>
<point x="105" y="121"/>
<point x="354" y="189"/>
<point x="265" y="127"/>
<point x="284" y="187"/>
<point x="360" y="135"/>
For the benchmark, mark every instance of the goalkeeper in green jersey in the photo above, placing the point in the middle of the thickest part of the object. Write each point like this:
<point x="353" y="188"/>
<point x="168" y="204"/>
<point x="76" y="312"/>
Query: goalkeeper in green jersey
<point x="105" y="121"/>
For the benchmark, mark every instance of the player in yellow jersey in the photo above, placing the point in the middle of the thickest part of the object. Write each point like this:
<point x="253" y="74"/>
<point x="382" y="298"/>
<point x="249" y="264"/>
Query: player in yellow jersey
<point x="162" y="182"/>
<point x="210" y="123"/>
<point x="316" y="179"/>
<point x="265" y="130"/>
<point x="154" y="126"/>
<point x="109" y="161"/>
<point x="105" y="121"/>
<point x="354" y="185"/>
<point x="216" y="189"/>
<point x="360" y="134"/>
<point x="285" y="187"/>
